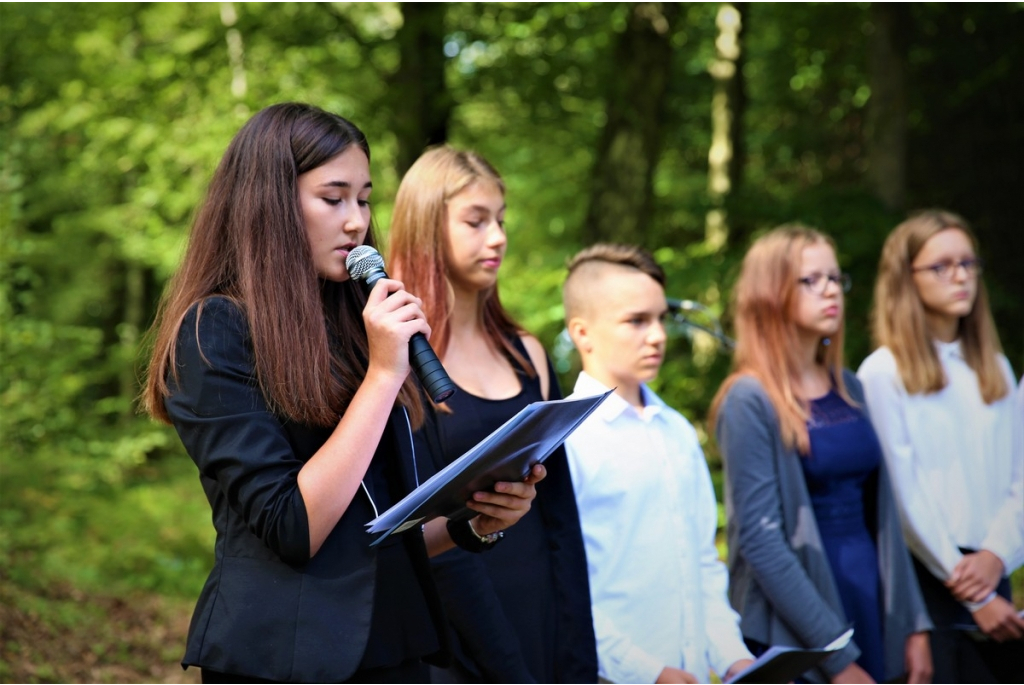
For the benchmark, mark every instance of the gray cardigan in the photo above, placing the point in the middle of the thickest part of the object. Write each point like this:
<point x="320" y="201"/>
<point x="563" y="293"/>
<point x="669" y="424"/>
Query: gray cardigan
<point x="780" y="581"/>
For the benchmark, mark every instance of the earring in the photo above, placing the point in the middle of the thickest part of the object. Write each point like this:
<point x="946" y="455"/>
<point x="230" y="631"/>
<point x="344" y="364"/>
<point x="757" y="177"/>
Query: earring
<point x="826" y="342"/>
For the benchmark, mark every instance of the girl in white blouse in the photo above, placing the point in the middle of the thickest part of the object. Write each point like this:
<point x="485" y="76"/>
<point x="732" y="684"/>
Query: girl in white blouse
<point x="940" y="394"/>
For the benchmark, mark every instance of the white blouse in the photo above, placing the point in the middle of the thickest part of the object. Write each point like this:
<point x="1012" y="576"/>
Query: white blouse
<point x="957" y="464"/>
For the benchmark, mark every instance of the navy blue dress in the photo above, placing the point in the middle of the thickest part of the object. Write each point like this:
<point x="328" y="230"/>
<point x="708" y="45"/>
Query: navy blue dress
<point x="841" y="474"/>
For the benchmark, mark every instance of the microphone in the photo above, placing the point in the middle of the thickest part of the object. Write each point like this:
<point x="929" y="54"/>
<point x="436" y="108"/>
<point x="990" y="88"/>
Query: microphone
<point x="365" y="264"/>
<point x="678" y="309"/>
<point x="675" y="306"/>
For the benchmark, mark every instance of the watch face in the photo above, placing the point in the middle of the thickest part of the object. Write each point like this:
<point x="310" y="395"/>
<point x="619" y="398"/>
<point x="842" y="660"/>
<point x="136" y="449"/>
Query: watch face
<point x="465" y="536"/>
<point x="488" y="539"/>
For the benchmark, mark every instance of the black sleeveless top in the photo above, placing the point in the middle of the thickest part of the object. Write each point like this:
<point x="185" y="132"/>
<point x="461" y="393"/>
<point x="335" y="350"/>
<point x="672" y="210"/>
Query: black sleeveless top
<point x="474" y="418"/>
<point x="538" y="572"/>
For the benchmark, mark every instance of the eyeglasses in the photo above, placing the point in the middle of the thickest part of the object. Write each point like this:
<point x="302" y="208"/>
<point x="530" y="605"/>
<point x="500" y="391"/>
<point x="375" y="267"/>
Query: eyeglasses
<point x="818" y="283"/>
<point x="945" y="271"/>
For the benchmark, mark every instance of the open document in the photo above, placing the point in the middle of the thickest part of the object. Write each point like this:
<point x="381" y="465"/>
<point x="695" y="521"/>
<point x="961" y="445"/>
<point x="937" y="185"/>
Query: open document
<point x="507" y="454"/>
<point x="786" y="664"/>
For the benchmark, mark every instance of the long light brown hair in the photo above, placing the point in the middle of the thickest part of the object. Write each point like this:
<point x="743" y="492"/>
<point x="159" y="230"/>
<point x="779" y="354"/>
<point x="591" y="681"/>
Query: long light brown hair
<point x="898" y="315"/>
<point x="767" y="340"/>
<point x="248" y="243"/>
<point x="419" y="254"/>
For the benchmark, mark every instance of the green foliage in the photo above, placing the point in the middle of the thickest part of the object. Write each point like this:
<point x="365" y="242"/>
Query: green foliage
<point x="113" y="117"/>
<point x="150" y="533"/>
<point x="87" y="497"/>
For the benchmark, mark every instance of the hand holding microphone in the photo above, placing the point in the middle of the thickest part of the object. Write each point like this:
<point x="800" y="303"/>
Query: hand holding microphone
<point x="365" y="264"/>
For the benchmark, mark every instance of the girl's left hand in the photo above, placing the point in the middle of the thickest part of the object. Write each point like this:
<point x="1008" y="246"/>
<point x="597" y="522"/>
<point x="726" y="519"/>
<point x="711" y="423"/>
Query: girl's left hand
<point x="507" y="504"/>
<point x="975" y="576"/>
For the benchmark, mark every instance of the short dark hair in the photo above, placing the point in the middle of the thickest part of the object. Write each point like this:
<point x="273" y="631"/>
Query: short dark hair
<point x="587" y="263"/>
<point x="623" y="255"/>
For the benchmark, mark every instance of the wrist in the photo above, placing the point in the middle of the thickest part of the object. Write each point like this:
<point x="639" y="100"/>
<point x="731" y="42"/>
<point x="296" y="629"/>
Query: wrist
<point x="465" y="536"/>
<point x="384" y="379"/>
<point x="976" y="606"/>
<point x="486" y="538"/>
<point x="998" y="563"/>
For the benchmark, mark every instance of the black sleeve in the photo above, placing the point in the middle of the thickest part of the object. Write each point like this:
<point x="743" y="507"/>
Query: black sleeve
<point x="222" y="418"/>
<point x="576" y="654"/>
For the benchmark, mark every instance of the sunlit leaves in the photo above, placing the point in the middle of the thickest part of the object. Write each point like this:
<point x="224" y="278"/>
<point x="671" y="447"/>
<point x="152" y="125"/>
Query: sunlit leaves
<point x="113" y="117"/>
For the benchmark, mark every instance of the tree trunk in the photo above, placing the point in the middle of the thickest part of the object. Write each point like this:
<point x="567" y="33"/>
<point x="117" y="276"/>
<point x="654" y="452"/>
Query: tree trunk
<point x="420" y="100"/>
<point x="737" y="92"/>
<point x="236" y="50"/>
<point x="621" y="196"/>
<point x="727" y="154"/>
<point x="887" y="108"/>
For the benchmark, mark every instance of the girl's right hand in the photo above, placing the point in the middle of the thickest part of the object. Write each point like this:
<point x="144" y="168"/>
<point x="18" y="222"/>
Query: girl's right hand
<point x="508" y="503"/>
<point x="392" y="316"/>
<point x="999" y="620"/>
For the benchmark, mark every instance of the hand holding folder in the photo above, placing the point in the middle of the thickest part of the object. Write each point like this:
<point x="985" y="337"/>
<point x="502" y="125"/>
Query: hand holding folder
<point x="785" y="664"/>
<point x="507" y="454"/>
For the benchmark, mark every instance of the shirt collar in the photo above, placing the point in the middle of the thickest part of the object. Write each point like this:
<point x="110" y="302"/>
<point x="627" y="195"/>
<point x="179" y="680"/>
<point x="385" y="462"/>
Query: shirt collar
<point x="949" y="350"/>
<point x="613" y="407"/>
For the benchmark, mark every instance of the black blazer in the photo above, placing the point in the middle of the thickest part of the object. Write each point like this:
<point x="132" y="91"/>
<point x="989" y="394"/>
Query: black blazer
<point x="269" y="610"/>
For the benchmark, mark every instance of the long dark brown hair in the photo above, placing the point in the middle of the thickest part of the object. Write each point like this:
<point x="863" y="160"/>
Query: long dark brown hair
<point x="248" y="243"/>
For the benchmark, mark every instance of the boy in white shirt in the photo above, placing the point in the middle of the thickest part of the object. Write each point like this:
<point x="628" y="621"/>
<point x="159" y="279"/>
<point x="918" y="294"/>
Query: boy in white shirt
<point x="646" y="503"/>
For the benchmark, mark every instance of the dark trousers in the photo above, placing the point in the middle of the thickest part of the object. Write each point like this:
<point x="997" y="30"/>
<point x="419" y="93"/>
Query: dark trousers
<point x="960" y="652"/>
<point x="411" y="671"/>
<point x="455" y="674"/>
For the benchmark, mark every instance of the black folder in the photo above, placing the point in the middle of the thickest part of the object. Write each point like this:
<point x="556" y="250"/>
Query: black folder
<point x="786" y="664"/>
<point x="507" y="454"/>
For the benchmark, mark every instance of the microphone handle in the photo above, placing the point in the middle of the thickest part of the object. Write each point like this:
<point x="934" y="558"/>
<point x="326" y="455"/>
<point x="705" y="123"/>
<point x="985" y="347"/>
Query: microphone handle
<point x="428" y="367"/>
<point x="422" y="357"/>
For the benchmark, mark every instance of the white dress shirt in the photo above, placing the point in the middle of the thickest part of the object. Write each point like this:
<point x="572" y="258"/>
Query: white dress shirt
<point x="957" y="466"/>
<point x="648" y="514"/>
<point x="1019" y="434"/>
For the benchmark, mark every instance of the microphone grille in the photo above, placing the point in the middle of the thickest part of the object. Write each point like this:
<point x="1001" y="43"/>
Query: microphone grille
<point x="362" y="260"/>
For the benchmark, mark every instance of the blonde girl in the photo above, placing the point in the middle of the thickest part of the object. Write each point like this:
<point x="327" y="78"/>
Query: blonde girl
<point x="522" y="612"/>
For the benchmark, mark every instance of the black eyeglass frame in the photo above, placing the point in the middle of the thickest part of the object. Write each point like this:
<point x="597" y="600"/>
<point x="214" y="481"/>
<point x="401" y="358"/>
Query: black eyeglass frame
<point x="946" y="271"/>
<point x="818" y="283"/>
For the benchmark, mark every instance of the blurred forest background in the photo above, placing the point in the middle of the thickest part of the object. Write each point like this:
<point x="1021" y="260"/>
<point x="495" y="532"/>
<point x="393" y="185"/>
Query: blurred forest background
<point x="686" y="128"/>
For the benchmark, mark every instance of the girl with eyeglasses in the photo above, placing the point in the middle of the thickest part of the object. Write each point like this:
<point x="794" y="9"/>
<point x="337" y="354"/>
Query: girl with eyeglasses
<point x="813" y="530"/>
<point x="940" y="394"/>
